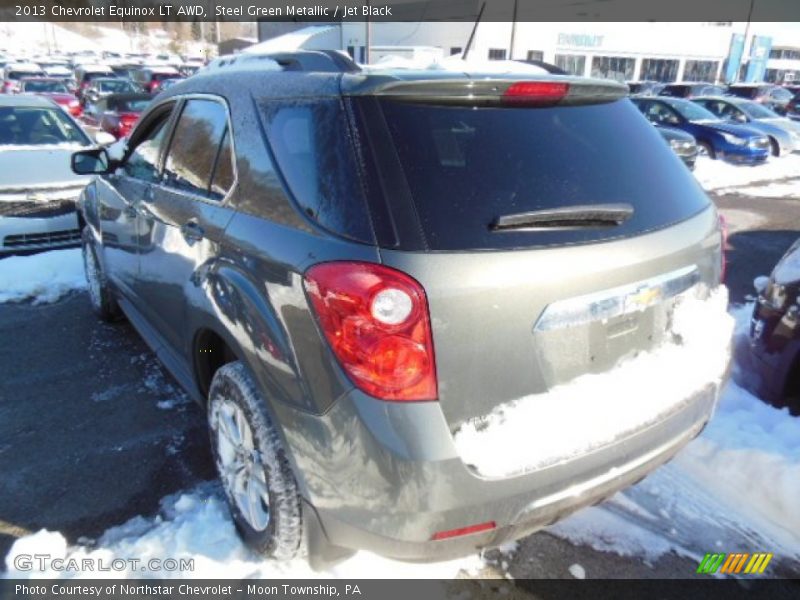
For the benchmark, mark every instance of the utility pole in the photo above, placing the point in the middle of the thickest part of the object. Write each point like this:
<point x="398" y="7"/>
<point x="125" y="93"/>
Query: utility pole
<point x="368" y="35"/>
<point x="513" y="31"/>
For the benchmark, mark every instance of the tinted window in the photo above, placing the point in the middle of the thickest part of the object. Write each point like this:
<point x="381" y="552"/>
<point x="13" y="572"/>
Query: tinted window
<point x="142" y="162"/>
<point x="314" y="153"/>
<point x="53" y="87"/>
<point x="223" y="172"/>
<point x="197" y="137"/>
<point x="466" y="167"/>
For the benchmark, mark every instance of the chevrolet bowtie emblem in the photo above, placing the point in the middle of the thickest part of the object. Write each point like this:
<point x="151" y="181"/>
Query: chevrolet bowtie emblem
<point x="644" y="297"/>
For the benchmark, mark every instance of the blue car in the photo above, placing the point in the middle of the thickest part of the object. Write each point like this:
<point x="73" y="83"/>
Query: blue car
<point x="783" y="133"/>
<point x="718" y="139"/>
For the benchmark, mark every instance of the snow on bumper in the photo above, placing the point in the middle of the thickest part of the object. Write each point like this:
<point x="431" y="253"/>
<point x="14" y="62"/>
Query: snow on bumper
<point x="598" y="410"/>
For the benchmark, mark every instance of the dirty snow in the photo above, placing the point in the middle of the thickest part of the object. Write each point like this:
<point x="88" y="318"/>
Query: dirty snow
<point x="42" y="278"/>
<point x="717" y="175"/>
<point x="197" y="525"/>
<point x="790" y="189"/>
<point x="545" y="424"/>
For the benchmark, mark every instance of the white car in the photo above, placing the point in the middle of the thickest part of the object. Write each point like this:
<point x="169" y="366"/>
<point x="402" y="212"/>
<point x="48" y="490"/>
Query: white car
<point x="38" y="189"/>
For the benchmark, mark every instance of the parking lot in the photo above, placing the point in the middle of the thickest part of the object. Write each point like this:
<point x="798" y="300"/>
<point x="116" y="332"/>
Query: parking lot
<point x="94" y="434"/>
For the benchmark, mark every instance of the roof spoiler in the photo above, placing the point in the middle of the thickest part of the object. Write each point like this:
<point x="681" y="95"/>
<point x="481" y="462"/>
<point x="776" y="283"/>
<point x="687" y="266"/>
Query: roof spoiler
<point x="527" y="92"/>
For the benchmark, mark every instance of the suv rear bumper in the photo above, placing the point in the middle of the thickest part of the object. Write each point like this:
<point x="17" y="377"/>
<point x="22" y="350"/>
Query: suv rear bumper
<point x="391" y="499"/>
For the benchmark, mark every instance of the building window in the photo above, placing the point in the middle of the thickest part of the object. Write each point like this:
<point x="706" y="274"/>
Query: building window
<point x="785" y="53"/>
<point x="497" y="53"/>
<point x="574" y="64"/>
<point x="351" y="50"/>
<point x="700" y="70"/>
<point x="659" y="69"/>
<point x="613" y="67"/>
<point x="456" y="50"/>
<point x="535" y="55"/>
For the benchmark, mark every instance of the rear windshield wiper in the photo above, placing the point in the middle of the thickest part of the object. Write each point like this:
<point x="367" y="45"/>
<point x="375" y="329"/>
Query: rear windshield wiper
<point x="567" y="217"/>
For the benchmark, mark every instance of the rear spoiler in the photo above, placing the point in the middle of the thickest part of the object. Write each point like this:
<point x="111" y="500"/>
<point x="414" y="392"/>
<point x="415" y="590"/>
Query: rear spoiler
<point x="523" y="92"/>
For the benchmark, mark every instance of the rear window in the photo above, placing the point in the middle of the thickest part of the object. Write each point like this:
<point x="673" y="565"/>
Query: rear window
<point x="744" y="92"/>
<point x="466" y="167"/>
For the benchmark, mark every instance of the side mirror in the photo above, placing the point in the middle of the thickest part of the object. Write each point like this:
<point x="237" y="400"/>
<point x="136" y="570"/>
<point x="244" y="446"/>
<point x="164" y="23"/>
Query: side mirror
<point x="90" y="162"/>
<point x="104" y="138"/>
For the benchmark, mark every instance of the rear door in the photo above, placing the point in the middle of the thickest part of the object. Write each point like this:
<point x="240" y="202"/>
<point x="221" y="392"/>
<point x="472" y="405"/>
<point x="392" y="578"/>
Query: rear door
<point x="518" y="310"/>
<point x="183" y="224"/>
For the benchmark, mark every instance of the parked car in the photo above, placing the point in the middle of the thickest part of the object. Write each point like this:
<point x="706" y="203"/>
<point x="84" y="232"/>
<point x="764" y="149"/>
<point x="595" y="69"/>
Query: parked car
<point x="793" y="108"/>
<point x="690" y="90"/>
<point x="775" y="334"/>
<point x="715" y="137"/>
<point x="117" y="114"/>
<point x="682" y="144"/>
<point x="783" y="134"/>
<point x="347" y="268"/>
<point x="149" y="78"/>
<point x="105" y="86"/>
<point x="54" y="89"/>
<point x="38" y="189"/>
<point x="645" y="88"/>
<point x="84" y="74"/>
<point x="166" y="83"/>
<point x="13" y="73"/>
<point x="770" y="95"/>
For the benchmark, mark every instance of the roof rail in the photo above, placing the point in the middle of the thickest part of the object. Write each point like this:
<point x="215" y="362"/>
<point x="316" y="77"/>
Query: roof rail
<point x="313" y="61"/>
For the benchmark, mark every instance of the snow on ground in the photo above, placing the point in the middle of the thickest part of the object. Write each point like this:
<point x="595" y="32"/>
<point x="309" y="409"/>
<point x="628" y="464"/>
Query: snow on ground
<point x="41" y="278"/>
<point x="734" y="488"/>
<point x="717" y="175"/>
<point x="197" y="525"/>
<point x="790" y="189"/>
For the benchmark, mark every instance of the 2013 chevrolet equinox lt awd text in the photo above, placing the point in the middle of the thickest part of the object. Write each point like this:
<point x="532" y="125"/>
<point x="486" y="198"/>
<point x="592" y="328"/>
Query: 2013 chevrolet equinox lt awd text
<point x="393" y="289"/>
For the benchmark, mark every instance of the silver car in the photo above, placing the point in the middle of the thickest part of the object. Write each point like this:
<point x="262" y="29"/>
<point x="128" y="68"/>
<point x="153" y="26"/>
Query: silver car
<point x="38" y="189"/>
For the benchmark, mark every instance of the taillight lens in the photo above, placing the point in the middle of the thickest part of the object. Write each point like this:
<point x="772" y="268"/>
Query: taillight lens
<point x="723" y="229"/>
<point x="535" y="92"/>
<point x="376" y="321"/>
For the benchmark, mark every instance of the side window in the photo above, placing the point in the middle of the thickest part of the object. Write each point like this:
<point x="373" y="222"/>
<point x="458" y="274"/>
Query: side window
<point x="195" y="145"/>
<point x="314" y="152"/>
<point x="142" y="162"/>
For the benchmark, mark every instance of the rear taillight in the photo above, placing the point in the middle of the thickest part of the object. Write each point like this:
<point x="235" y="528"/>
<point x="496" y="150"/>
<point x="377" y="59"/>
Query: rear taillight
<point x="462" y="531"/>
<point x="723" y="229"/>
<point x="376" y="321"/>
<point x="535" y="92"/>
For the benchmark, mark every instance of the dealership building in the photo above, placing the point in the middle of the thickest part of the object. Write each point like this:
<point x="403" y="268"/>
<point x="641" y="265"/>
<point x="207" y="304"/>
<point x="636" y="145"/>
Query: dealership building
<point x="719" y="52"/>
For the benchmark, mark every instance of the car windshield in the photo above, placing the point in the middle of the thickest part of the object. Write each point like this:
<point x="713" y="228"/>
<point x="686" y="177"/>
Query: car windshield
<point x="116" y="86"/>
<point x="782" y="95"/>
<point x="692" y="112"/>
<point x="754" y="110"/>
<point x="163" y="76"/>
<point x="17" y="75"/>
<point x="54" y="87"/>
<point x="33" y="126"/>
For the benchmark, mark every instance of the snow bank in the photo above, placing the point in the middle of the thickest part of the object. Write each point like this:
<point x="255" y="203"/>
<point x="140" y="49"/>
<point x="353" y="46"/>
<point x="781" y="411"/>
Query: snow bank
<point x="43" y="278"/>
<point x="787" y="189"/>
<point x="541" y="429"/>
<point x="197" y="525"/>
<point x="719" y="175"/>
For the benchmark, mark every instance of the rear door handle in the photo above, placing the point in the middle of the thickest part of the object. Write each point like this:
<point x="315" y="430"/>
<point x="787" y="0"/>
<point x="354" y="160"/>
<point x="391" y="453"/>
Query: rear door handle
<point x="192" y="231"/>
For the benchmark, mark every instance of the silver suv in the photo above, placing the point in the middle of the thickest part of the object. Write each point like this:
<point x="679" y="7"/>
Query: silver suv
<point x="402" y="295"/>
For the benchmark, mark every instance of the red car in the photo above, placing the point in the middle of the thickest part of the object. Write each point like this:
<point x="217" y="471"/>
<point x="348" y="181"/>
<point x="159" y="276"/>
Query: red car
<point x="52" y="88"/>
<point x="117" y="113"/>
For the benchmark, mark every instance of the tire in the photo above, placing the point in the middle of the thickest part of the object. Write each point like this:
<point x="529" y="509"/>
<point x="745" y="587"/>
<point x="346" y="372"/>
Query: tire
<point x="708" y="149"/>
<point x="100" y="294"/>
<point x="255" y="473"/>
<point x="775" y="148"/>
